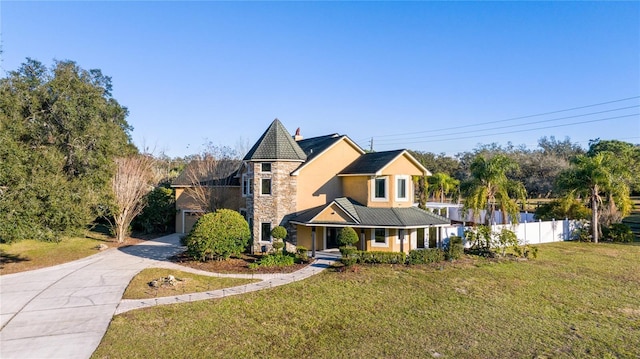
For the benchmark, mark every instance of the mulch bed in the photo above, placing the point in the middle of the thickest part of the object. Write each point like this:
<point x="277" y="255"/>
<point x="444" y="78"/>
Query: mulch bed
<point x="233" y="265"/>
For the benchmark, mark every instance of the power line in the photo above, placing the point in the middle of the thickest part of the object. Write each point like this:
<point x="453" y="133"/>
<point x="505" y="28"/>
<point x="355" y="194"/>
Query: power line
<point x="510" y="126"/>
<point x="516" y="131"/>
<point x="511" y="119"/>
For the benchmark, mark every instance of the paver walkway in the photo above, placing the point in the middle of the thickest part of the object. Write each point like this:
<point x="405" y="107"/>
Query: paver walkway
<point x="64" y="311"/>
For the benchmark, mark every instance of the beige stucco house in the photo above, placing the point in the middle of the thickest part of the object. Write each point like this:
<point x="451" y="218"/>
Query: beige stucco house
<point x="315" y="186"/>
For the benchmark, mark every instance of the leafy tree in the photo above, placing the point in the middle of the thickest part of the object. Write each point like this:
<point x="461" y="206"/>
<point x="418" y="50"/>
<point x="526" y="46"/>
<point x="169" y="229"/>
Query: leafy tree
<point x="159" y="215"/>
<point x="565" y="207"/>
<point x="60" y="130"/>
<point x="489" y="186"/>
<point x="348" y="237"/>
<point x="218" y="235"/>
<point x="441" y="184"/>
<point x="437" y="162"/>
<point x="626" y="156"/>
<point x="593" y="178"/>
<point x="562" y="149"/>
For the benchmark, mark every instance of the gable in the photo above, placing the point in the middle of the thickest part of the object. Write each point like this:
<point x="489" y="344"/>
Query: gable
<point x="333" y="214"/>
<point x="405" y="164"/>
<point x="386" y="162"/>
<point x="340" y="150"/>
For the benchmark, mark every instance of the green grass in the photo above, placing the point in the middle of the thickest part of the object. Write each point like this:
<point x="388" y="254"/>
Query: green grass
<point x="30" y="254"/>
<point x="187" y="283"/>
<point x="575" y="300"/>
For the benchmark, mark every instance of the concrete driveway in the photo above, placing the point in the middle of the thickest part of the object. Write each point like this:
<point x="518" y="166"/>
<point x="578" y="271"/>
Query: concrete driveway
<point x="65" y="310"/>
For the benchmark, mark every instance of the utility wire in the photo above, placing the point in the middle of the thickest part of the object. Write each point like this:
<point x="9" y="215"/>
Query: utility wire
<point x="516" y="131"/>
<point x="509" y="126"/>
<point x="509" y="119"/>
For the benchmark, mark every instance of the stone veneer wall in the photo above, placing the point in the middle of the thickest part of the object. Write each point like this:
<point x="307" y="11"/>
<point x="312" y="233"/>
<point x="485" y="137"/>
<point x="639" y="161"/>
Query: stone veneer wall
<point x="276" y="207"/>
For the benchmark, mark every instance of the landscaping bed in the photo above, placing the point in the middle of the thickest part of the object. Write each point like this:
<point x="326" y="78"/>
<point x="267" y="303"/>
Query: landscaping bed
<point x="234" y="265"/>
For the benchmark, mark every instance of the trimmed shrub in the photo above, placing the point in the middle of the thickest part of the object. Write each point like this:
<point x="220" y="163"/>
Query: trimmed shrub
<point x="348" y="237"/>
<point x="302" y="253"/>
<point x="347" y="251"/>
<point x="618" y="232"/>
<point x="349" y="255"/>
<point x="506" y="239"/>
<point x="425" y="256"/>
<point x="277" y="245"/>
<point x="218" y="235"/>
<point x="302" y="250"/>
<point x="454" y="249"/>
<point x="277" y="260"/>
<point x="279" y="232"/>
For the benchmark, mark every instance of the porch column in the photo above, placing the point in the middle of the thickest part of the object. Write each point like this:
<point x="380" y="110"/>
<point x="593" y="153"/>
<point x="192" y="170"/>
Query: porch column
<point x="313" y="242"/>
<point x="401" y="239"/>
<point x="362" y="242"/>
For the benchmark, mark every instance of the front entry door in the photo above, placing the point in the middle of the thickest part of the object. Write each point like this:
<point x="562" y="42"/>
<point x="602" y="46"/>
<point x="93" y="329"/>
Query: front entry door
<point x="332" y="238"/>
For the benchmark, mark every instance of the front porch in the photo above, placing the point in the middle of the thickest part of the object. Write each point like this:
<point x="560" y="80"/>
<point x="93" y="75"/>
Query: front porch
<point x="323" y="237"/>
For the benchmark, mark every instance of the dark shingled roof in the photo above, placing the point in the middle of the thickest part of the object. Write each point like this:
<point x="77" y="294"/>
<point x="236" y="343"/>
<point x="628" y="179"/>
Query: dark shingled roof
<point x="378" y="216"/>
<point x="370" y="163"/>
<point x="316" y="145"/>
<point x="275" y="144"/>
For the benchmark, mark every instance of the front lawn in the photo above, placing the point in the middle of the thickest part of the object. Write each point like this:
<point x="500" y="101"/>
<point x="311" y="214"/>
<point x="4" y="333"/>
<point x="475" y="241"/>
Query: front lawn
<point x="29" y="254"/>
<point x="139" y="287"/>
<point x="575" y="300"/>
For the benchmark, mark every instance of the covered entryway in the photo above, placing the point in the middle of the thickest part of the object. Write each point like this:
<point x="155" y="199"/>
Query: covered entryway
<point x="331" y="240"/>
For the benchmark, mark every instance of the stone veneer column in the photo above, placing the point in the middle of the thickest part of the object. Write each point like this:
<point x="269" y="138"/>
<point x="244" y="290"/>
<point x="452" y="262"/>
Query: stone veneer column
<point x="275" y="207"/>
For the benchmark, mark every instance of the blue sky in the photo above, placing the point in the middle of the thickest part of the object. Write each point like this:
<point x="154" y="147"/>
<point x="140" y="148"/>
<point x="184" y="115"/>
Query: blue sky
<point x="430" y="76"/>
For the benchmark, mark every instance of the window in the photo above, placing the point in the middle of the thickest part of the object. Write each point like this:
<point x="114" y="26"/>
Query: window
<point x="379" y="237"/>
<point x="265" y="187"/>
<point x="265" y="232"/>
<point x="243" y="213"/>
<point x="380" y="189"/>
<point x="247" y="184"/>
<point x="402" y="188"/>
<point x="266" y="167"/>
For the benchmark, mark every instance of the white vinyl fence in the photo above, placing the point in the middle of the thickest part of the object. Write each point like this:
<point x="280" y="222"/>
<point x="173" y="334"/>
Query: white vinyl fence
<point x="527" y="232"/>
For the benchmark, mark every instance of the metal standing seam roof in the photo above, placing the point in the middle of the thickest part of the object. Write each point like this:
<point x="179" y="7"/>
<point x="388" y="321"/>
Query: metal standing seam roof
<point x="377" y="216"/>
<point x="276" y="144"/>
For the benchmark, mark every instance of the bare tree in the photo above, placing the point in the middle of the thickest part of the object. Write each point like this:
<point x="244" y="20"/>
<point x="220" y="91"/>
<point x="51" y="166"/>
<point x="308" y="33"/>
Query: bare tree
<point x="209" y="176"/>
<point x="134" y="178"/>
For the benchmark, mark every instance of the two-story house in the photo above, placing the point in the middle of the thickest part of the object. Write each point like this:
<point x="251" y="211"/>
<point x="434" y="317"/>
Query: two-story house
<point x="315" y="186"/>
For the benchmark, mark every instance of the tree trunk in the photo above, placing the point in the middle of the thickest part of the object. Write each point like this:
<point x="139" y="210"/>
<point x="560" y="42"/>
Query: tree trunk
<point x="594" y="214"/>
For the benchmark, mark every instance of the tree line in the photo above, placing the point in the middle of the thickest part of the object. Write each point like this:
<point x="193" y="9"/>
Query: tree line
<point x="67" y="161"/>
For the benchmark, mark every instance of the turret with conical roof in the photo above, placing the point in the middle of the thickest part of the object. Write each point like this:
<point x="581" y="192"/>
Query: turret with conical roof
<point x="276" y="144"/>
<point x="273" y="195"/>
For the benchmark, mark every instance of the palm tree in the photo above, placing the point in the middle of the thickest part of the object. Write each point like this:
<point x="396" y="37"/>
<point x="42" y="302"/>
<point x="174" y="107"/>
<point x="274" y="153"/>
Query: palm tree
<point x="441" y="184"/>
<point x="594" y="178"/>
<point x="489" y="186"/>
